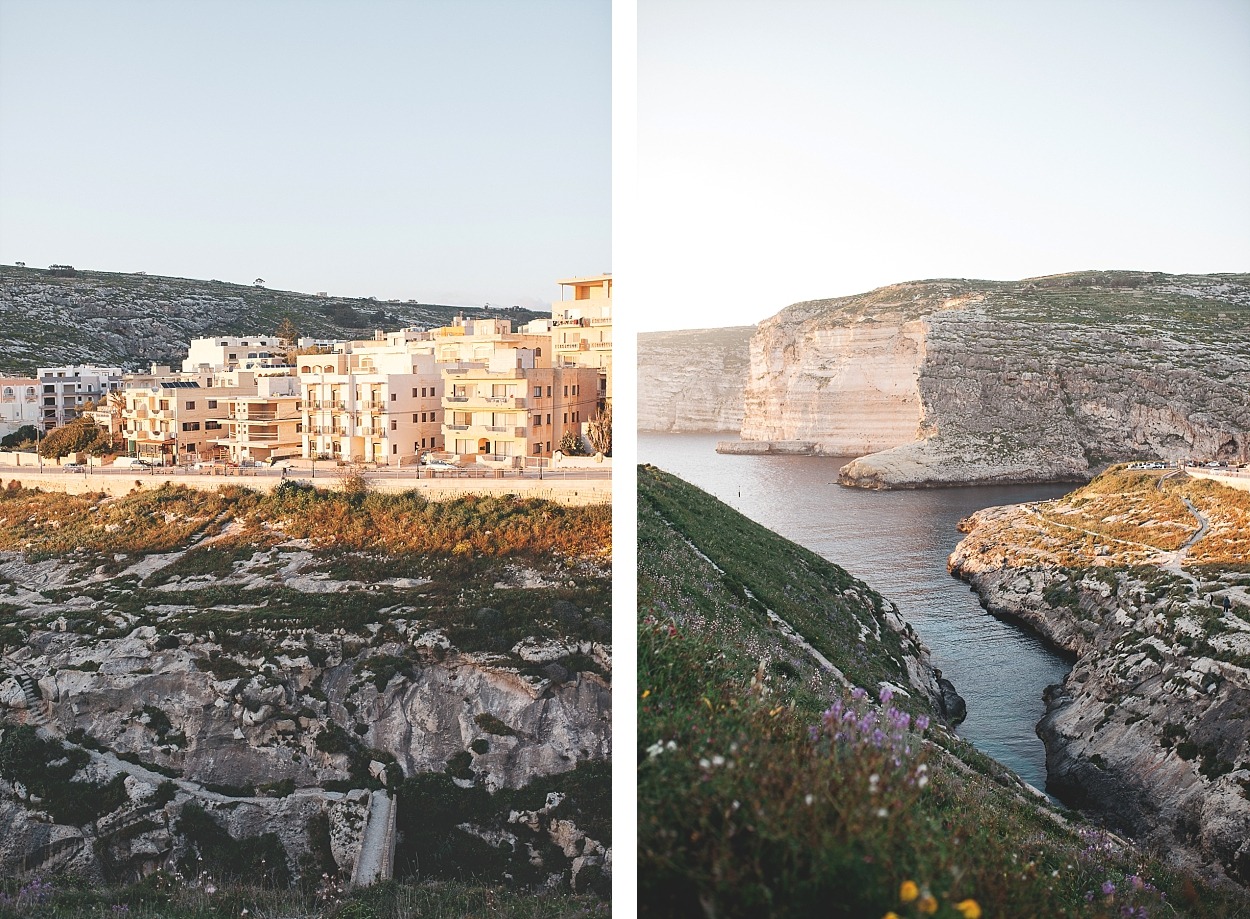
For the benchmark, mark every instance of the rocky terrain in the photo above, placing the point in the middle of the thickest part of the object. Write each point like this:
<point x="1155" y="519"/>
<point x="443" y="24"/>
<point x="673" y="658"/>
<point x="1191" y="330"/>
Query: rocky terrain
<point x="692" y="380"/>
<point x="1151" y="729"/>
<point x="210" y="675"/>
<point x="132" y="320"/>
<point x="960" y="381"/>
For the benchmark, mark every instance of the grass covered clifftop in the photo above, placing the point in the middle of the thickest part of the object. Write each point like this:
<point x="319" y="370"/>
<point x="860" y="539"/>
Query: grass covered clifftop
<point x="1144" y="577"/>
<point x="771" y="784"/>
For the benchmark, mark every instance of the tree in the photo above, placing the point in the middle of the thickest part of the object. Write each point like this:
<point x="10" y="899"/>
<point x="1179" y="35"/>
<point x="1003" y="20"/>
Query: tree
<point x="287" y="330"/>
<point x="79" y="435"/>
<point x="259" y="282"/>
<point x="571" y="444"/>
<point x="599" y="430"/>
<point x="26" y="434"/>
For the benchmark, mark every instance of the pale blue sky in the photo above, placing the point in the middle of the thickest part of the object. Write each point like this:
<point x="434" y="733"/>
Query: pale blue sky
<point x="453" y="151"/>
<point x="792" y="150"/>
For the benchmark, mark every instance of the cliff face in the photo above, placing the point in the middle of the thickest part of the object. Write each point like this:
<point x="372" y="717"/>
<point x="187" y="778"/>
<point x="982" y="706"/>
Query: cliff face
<point x="853" y="389"/>
<point x="692" y="380"/>
<point x="953" y="381"/>
<point x="1151" y="729"/>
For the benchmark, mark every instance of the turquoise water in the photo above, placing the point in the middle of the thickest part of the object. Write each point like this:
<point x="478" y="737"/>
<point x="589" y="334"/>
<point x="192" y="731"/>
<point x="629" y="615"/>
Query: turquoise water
<point x="898" y="542"/>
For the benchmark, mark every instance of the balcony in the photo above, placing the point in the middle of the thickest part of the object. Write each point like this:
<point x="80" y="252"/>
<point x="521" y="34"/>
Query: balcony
<point x="562" y="323"/>
<point x="601" y="346"/>
<point x="601" y="320"/>
<point x="571" y="346"/>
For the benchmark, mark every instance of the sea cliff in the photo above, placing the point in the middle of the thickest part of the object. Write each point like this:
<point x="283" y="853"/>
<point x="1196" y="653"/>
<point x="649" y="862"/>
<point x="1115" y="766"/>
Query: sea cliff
<point x="1151" y="729"/>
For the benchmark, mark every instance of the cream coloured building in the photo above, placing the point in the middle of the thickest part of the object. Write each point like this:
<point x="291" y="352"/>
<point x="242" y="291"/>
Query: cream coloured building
<point x="582" y="327"/>
<point x="19" y="403"/>
<point x="507" y="408"/>
<point x="260" y="426"/>
<point x="373" y="402"/>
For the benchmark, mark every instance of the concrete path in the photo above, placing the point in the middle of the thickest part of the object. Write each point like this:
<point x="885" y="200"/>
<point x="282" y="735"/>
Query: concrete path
<point x="377" y="847"/>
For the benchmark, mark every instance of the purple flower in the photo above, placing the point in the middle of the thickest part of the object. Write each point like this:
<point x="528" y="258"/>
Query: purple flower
<point x="1108" y="888"/>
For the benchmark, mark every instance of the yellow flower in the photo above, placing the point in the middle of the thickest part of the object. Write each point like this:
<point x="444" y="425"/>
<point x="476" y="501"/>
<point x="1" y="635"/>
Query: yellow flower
<point x="969" y="909"/>
<point x="908" y="891"/>
<point x="890" y="915"/>
<point x="927" y="904"/>
<point x="646" y="693"/>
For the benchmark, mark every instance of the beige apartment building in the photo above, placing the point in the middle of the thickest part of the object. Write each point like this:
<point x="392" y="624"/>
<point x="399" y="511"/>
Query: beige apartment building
<point x="19" y="403"/>
<point x="582" y="327"/>
<point x="228" y="352"/>
<point x="506" y="409"/>
<point x="371" y="402"/>
<point x="261" y="426"/>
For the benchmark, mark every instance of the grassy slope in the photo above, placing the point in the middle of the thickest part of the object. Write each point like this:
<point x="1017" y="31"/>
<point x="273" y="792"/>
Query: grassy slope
<point x="115" y="318"/>
<point x="741" y="813"/>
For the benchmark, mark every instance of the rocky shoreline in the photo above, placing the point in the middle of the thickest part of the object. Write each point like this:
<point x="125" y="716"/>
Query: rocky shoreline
<point x="1150" y="731"/>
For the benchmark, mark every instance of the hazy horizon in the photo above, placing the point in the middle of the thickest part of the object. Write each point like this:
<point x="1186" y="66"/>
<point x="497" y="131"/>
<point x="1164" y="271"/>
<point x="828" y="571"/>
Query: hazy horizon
<point x="435" y="151"/>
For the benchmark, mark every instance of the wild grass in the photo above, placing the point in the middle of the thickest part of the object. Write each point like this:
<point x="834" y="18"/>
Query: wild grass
<point x="772" y="793"/>
<point x="166" y="895"/>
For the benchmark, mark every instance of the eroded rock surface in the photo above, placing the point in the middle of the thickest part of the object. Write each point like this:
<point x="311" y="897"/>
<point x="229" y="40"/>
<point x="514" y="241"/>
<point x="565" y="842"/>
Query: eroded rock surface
<point x="1151" y="729"/>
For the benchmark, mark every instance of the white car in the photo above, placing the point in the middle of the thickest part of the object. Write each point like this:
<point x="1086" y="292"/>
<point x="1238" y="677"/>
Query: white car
<point x="130" y="462"/>
<point x="439" y="465"/>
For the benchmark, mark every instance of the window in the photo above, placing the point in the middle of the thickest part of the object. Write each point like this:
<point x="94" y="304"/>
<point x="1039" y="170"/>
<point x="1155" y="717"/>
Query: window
<point x="212" y="403"/>
<point x="566" y="417"/>
<point x="415" y="416"/>
<point x="538" y="449"/>
<point x="548" y="392"/>
<point x="190" y="406"/>
<point x="538" y="392"/>
<point x="212" y="425"/>
<point x="548" y="450"/>
<point x="538" y="421"/>
<point x="394" y="448"/>
<point x="566" y="389"/>
<point x="575" y="389"/>
<point x="549" y="418"/>
<point x="576" y="417"/>
<point x="394" y="425"/>
<point x="393" y="396"/>
<point x="190" y="425"/>
<point x="414" y="392"/>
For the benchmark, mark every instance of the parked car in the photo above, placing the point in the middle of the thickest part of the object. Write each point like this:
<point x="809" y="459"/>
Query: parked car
<point x="73" y="467"/>
<point x="130" y="461"/>
<point x="439" y="465"/>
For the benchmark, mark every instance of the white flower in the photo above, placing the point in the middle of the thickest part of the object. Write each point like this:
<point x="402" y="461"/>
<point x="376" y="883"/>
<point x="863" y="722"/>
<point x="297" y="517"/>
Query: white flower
<point x="809" y="799"/>
<point x="704" y="764"/>
<point x="922" y="781"/>
<point x="655" y="749"/>
<point x="718" y="760"/>
<point x="882" y="813"/>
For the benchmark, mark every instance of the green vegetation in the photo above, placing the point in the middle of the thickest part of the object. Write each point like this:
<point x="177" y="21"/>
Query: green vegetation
<point x="768" y="791"/>
<point x="134" y="319"/>
<point x="173" y="895"/>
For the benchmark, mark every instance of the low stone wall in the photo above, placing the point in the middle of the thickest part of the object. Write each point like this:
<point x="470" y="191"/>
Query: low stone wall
<point x="564" y="491"/>
<point x="1239" y="480"/>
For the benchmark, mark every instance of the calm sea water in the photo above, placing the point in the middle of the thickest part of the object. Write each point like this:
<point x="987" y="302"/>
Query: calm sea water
<point x="898" y="542"/>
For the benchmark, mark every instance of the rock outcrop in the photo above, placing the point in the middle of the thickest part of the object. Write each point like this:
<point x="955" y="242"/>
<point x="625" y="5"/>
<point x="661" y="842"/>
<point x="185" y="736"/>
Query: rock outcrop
<point x="1151" y="729"/>
<point x="692" y="380"/>
<point x="185" y="705"/>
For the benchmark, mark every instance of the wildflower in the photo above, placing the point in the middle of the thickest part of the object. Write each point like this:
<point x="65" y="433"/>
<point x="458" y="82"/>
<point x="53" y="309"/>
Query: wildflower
<point x="1108" y="888"/>
<point x="890" y="915"/>
<point x="808" y="799"/>
<point x="908" y="891"/>
<point x="645" y="693"/>
<point x="882" y="813"/>
<point x="928" y="904"/>
<point x="718" y="760"/>
<point x="969" y="909"/>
